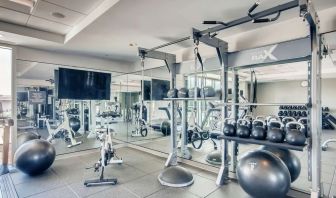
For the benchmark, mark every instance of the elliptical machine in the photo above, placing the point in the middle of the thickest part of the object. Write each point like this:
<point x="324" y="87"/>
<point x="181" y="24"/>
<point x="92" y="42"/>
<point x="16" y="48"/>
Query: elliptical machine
<point x="107" y="156"/>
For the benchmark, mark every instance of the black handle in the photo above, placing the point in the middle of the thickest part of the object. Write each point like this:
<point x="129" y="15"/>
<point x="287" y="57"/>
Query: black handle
<point x="209" y="22"/>
<point x="255" y="5"/>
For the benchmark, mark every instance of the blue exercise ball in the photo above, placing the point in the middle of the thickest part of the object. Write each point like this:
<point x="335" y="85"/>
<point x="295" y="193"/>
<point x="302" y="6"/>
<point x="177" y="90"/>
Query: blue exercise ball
<point x="261" y="174"/>
<point x="34" y="157"/>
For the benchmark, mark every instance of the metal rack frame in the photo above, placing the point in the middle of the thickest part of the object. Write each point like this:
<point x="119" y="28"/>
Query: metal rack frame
<point x="307" y="12"/>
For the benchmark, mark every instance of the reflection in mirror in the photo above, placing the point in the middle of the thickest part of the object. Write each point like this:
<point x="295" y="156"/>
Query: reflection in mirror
<point x="154" y="122"/>
<point x="52" y="104"/>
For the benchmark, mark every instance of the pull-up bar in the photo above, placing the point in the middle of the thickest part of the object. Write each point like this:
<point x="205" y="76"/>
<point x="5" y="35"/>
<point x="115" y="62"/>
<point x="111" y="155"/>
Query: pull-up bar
<point x="246" y="19"/>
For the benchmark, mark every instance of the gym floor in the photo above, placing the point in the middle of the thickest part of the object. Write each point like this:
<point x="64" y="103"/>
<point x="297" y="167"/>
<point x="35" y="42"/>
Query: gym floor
<point x="137" y="177"/>
<point x="328" y="160"/>
<point x="148" y="166"/>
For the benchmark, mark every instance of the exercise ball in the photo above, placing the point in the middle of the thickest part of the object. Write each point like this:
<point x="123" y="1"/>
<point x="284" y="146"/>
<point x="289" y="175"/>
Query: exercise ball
<point x="261" y="174"/>
<point x="183" y="93"/>
<point x="25" y="137"/>
<point x="165" y="127"/>
<point x="292" y="162"/>
<point x="172" y="93"/>
<point x="74" y="124"/>
<point x="34" y="157"/>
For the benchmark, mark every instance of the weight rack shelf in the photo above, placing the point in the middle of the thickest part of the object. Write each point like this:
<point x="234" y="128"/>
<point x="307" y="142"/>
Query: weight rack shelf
<point x="199" y="98"/>
<point x="262" y="142"/>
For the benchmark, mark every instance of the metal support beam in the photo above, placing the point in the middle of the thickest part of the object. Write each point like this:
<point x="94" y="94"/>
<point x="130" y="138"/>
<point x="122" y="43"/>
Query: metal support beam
<point x="307" y="11"/>
<point x="145" y="53"/>
<point x="170" y="60"/>
<point x="223" y="174"/>
<point x="316" y="115"/>
<point x="234" y="109"/>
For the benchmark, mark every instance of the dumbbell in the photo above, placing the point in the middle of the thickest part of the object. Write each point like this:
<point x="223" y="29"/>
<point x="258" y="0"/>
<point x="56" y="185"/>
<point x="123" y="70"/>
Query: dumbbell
<point x="280" y="113"/>
<point x="294" y="113"/>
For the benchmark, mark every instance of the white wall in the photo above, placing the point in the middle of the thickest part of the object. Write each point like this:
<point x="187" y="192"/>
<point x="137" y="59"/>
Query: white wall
<point x="6" y="71"/>
<point x="35" y="55"/>
<point x="292" y="92"/>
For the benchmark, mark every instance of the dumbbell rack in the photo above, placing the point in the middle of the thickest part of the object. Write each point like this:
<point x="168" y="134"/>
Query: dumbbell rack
<point x="290" y="110"/>
<point x="262" y="142"/>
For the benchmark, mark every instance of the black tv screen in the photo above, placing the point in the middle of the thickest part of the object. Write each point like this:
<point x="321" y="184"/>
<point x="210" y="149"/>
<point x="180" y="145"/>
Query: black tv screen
<point x="160" y="89"/>
<point x="147" y="90"/>
<point x="83" y="85"/>
<point x="22" y="96"/>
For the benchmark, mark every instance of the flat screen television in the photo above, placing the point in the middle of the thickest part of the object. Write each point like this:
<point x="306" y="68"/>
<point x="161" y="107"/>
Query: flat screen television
<point x="160" y="89"/>
<point x="147" y="90"/>
<point x="82" y="85"/>
<point x="22" y="96"/>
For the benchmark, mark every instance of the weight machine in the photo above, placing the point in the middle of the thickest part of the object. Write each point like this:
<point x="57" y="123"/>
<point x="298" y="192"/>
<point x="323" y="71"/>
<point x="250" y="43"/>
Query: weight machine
<point x="234" y="61"/>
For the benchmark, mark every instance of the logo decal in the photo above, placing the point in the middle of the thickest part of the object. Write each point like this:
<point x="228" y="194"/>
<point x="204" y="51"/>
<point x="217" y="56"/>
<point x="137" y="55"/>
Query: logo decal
<point x="265" y="54"/>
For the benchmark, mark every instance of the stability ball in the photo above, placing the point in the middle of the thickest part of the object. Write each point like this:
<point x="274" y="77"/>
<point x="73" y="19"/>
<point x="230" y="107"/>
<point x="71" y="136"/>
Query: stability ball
<point x="292" y="162"/>
<point x="261" y="174"/>
<point x="34" y="157"/>
<point x="25" y="137"/>
<point x="74" y="124"/>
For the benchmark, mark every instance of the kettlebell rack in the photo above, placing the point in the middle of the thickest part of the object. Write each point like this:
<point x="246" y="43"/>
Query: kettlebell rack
<point x="263" y="142"/>
<point x="304" y="49"/>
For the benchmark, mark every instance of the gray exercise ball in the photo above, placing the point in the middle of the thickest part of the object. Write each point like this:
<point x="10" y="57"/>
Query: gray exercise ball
<point x="34" y="157"/>
<point x="289" y="158"/>
<point x="25" y="137"/>
<point x="74" y="124"/>
<point x="261" y="174"/>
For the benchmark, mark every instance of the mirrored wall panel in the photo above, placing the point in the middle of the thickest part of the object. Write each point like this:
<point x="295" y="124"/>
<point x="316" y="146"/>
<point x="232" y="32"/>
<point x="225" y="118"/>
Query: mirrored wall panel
<point x="68" y="106"/>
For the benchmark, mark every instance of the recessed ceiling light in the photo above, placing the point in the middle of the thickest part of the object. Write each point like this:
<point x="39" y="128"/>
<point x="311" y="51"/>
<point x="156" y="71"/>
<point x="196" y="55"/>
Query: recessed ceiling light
<point x="133" y="44"/>
<point x="58" y="15"/>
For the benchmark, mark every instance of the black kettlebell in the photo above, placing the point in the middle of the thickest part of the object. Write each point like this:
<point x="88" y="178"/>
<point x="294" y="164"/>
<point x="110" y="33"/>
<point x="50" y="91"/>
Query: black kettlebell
<point x="229" y="127"/>
<point x="275" y="131"/>
<point x="243" y="128"/>
<point x="304" y="121"/>
<point x="258" y="130"/>
<point x="249" y="118"/>
<point x="295" y="136"/>
<point x="272" y="118"/>
<point x="285" y="120"/>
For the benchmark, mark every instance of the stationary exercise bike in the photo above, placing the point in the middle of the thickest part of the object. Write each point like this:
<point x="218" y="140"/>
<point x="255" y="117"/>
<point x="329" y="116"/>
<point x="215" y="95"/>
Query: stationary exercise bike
<point x="195" y="134"/>
<point x="64" y="127"/>
<point x="107" y="156"/>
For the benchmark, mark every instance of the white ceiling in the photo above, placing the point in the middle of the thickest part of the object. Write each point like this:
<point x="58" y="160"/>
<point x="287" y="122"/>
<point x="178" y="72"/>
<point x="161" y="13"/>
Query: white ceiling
<point x="145" y="23"/>
<point x="41" y="18"/>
